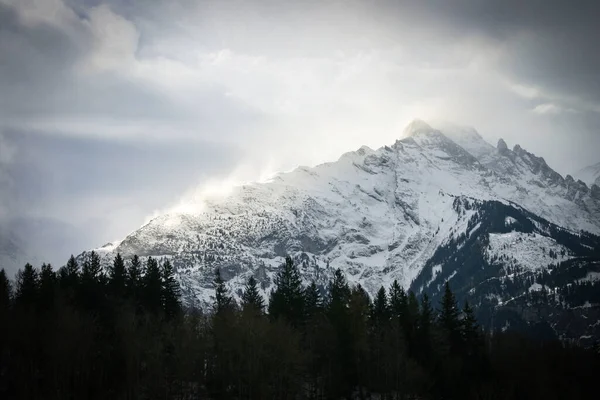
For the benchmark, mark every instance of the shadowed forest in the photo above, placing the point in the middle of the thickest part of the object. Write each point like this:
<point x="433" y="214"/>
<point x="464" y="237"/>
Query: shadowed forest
<point x="83" y="332"/>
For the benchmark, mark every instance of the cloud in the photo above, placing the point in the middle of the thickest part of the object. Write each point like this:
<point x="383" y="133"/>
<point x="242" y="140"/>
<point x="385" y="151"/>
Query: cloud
<point x="550" y="108"/>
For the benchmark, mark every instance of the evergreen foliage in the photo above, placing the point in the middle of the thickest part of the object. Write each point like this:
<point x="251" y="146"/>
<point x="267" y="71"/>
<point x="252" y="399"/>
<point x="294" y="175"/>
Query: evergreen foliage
<point x="117" y="275"/>
<point x="223" y="300"/>
<point x="251" y="297"/>
<point x="170" y="292"/>
<point x="287" y="298"/>
<point x="135" y="341"/>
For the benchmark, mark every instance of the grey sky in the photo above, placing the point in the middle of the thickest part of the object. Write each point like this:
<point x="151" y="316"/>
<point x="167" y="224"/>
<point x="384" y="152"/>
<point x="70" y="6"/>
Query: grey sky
<point x="112" y="111"/>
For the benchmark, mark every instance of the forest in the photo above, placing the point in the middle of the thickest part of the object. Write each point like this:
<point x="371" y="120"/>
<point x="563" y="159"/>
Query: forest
<point x="86" y="332"/>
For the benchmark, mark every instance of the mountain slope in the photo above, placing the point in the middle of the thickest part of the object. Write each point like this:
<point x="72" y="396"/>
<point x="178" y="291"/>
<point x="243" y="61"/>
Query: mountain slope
<point x="379" y="215"/>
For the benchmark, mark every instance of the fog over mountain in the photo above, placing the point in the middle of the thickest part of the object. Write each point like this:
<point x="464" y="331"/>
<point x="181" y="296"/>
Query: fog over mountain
<point x="114" y="112"/>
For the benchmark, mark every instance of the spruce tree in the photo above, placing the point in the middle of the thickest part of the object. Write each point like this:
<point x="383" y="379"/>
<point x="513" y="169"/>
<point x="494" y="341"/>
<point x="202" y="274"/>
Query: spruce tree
<point x="287" y="298"/>
<point x="425" y="331"/>
<point x="380" y="315"/>
<point x="251" y="298"/>
<point x="397" y="301"/>
<point x="338" y="294"/>
<point x="223" y="301"/>
<point x="27" y="286"/>
<point x="48" y="287"/>
<point x="92" y="281"/>
<point x="313" y="303"/>
<point x="5" y="291"/>
<point x="91" y="271"/>
<point x="170" y="290"/>
<point x="152" y="286"/>
<point x="134" y="279"/>
<point x="70" y="275"/>
<point x="449" y="318"/>
<point x="470" y="330"/>
<point x="426" y="316"/>
<point x="117" y="277"/>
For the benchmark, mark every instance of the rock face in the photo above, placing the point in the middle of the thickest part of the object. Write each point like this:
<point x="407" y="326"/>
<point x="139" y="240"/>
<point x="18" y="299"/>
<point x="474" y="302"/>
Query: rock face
<point x="429" y="208"/>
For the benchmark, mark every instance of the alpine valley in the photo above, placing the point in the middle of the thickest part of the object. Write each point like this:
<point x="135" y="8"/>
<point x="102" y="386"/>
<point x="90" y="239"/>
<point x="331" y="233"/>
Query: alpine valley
<point x="511" y="235"/>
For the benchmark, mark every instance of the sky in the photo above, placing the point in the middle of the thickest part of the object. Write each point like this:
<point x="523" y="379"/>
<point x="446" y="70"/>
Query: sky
<point x="112" y="112"/>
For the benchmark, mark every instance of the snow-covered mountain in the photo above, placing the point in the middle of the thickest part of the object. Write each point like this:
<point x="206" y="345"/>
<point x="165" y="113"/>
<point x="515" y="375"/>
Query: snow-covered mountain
<point x="590" y="175"/>
<point x="381" y="215"/>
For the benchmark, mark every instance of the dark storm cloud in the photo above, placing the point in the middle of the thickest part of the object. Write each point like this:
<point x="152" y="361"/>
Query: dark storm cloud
<point x="548" y="44"/>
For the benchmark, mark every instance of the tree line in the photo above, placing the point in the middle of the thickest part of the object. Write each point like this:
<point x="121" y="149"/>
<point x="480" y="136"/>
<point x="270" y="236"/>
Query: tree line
<point x="84" y="332"/>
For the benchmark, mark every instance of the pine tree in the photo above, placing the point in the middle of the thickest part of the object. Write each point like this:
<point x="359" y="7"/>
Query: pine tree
<point x="470" y="330"/>
<point x="223" y="300"/>
<point x="449" y="318"/>
<point x="48" y="281"/>
<point x="69" y="275"/>
<point x="313" y="303"/>
<point x="287" y="299"/>
<point x="251" y="298"/>
<point x="152" y="286"/>
<point x="27" y="286"/>
<point x="91" y="270"/>
<point x="117" y="277"/>
<point x="426" y="316"/>
<point x="338" y="294"/>
<point x="425" y="331"/>
<point x="134" y="279"/>
<point x="380" y="313"/>
<point x="5" y="291"/>
<point x="170" y="291"/>
<point x="398" y="301"/>
<point x="92" y="281"/>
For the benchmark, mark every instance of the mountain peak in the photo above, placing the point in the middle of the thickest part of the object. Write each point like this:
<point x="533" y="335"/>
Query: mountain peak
<point x="502" y="146"/>
<point x="417" y="126"/>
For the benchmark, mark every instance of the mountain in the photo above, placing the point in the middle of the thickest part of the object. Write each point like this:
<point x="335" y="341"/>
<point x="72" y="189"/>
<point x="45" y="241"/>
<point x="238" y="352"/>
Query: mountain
<point x="590" y="175"/>
<point x="429" y="208"/>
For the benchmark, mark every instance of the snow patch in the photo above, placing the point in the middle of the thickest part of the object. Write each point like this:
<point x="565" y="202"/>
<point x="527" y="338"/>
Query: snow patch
<point x="525" y="250"/>
<point x="509" y="221"/>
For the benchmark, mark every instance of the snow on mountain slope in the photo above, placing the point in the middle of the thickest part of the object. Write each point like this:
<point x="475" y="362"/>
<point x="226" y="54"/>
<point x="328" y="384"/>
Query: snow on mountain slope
<point x="590" y="175"/>
<point x="532" y="251"/>
<point x="379" y="215"/>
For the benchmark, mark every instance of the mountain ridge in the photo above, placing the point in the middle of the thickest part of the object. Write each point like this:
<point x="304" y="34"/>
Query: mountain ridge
<point x="383" y="215"/>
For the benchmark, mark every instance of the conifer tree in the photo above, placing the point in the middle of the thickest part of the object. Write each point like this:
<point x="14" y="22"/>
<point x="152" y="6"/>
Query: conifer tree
<point x="91" y="269"/>
<point x="48" y="287"/>
<point x="425" y="331"/>
<point x="134" y="278"/>
<point x="152" y="286"/>
<point x="338" y="294"/>
<point x="313" y="303"/>
<point x="27" y="286"/>
<point x="117" y="276"/>
<point x="251" y="298"/>
<point x="70" y="275"/>
<point x="397" y="301"/>
<point x="223" y="300"/>
<point x="469" y="327"/>
<point x="287" y="298"/>
<point x="170" y="290"/>
<point x="425" y="316"/>
<point x="449" y="318"/>
<point x="91" y="290"/>
<point x="5" y="291"/>
<point x="380" y="311"/>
